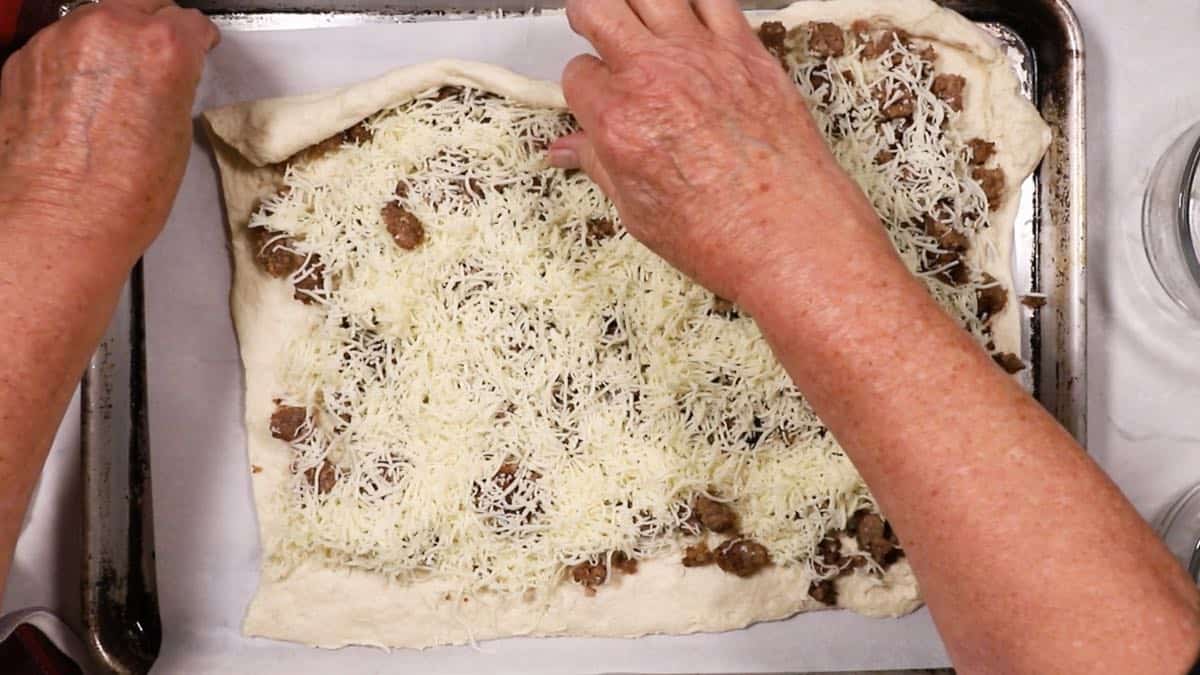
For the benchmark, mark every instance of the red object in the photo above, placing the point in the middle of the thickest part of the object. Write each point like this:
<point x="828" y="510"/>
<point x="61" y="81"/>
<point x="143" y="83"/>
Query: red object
<point x="28" y="651"/>
<point x="19" y="20"/>
<point x="10" y="11"/>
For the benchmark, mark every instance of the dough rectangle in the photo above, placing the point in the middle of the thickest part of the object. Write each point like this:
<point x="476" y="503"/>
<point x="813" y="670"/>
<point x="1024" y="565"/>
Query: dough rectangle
<point x="379" y="613"/>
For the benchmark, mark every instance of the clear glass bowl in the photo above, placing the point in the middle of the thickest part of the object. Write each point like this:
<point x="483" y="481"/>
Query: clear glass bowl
<point x="1179" y="528"/>
<point x="1171" y="222"/>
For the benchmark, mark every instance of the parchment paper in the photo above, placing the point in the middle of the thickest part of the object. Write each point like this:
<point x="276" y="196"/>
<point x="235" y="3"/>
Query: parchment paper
<point x="204" y="518"/>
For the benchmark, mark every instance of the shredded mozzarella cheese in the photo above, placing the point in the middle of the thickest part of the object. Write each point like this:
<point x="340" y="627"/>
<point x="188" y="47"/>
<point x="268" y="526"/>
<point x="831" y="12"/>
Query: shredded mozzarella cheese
<point x="515" y="395"/>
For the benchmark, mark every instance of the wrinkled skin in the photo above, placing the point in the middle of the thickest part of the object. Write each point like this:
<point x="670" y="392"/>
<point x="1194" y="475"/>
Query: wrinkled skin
<point x="702" y="184"/>
<point x="95" y="127"/>
<point x="95" y="112"/>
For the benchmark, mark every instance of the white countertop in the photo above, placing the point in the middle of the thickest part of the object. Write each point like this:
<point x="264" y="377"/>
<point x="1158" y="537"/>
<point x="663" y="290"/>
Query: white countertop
<point x="1144" y="355"/>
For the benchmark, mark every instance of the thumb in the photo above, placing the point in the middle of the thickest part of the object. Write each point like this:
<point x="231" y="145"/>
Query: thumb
<point x="577" y="152"/>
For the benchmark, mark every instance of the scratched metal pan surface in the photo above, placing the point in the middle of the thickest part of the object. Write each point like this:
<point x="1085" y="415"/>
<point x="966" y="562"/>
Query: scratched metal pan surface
<point x="1045" y="46"/>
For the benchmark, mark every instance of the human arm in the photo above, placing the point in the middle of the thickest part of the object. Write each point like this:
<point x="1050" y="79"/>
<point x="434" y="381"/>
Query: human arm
<point x="1029" y="557"/>
<point x="95" y="129"/>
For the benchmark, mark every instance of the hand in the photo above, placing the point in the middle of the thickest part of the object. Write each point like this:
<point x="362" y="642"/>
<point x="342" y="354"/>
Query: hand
<point x="702" y="141"/>
<point x="95" y="122"/>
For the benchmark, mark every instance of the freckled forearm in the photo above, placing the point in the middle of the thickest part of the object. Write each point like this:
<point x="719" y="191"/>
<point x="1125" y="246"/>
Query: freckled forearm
<point x="95" y="130"/>
<point x="995" y="503"/>
<point x="56" y="296"/>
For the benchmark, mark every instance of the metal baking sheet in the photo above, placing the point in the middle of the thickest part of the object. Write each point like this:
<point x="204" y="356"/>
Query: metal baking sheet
<point x="191" y="347"/>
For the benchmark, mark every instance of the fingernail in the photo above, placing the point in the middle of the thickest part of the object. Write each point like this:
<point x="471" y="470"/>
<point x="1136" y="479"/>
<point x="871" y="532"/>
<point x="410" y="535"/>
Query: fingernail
<point x="564" y="158"/>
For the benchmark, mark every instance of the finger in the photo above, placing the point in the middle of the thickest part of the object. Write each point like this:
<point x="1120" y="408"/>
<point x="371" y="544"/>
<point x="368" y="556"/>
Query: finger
<point x="9" y="75"/>
<point x="18" y="72"/>
<point x="193" y="26"/>
<point x="610" y="25"/>
<point x="723" y="17"/>
<point x="577" y="152"/>
<point x="666" y="17"/>
<point x="564" y="153"/>
<point x="584" y="83"/>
